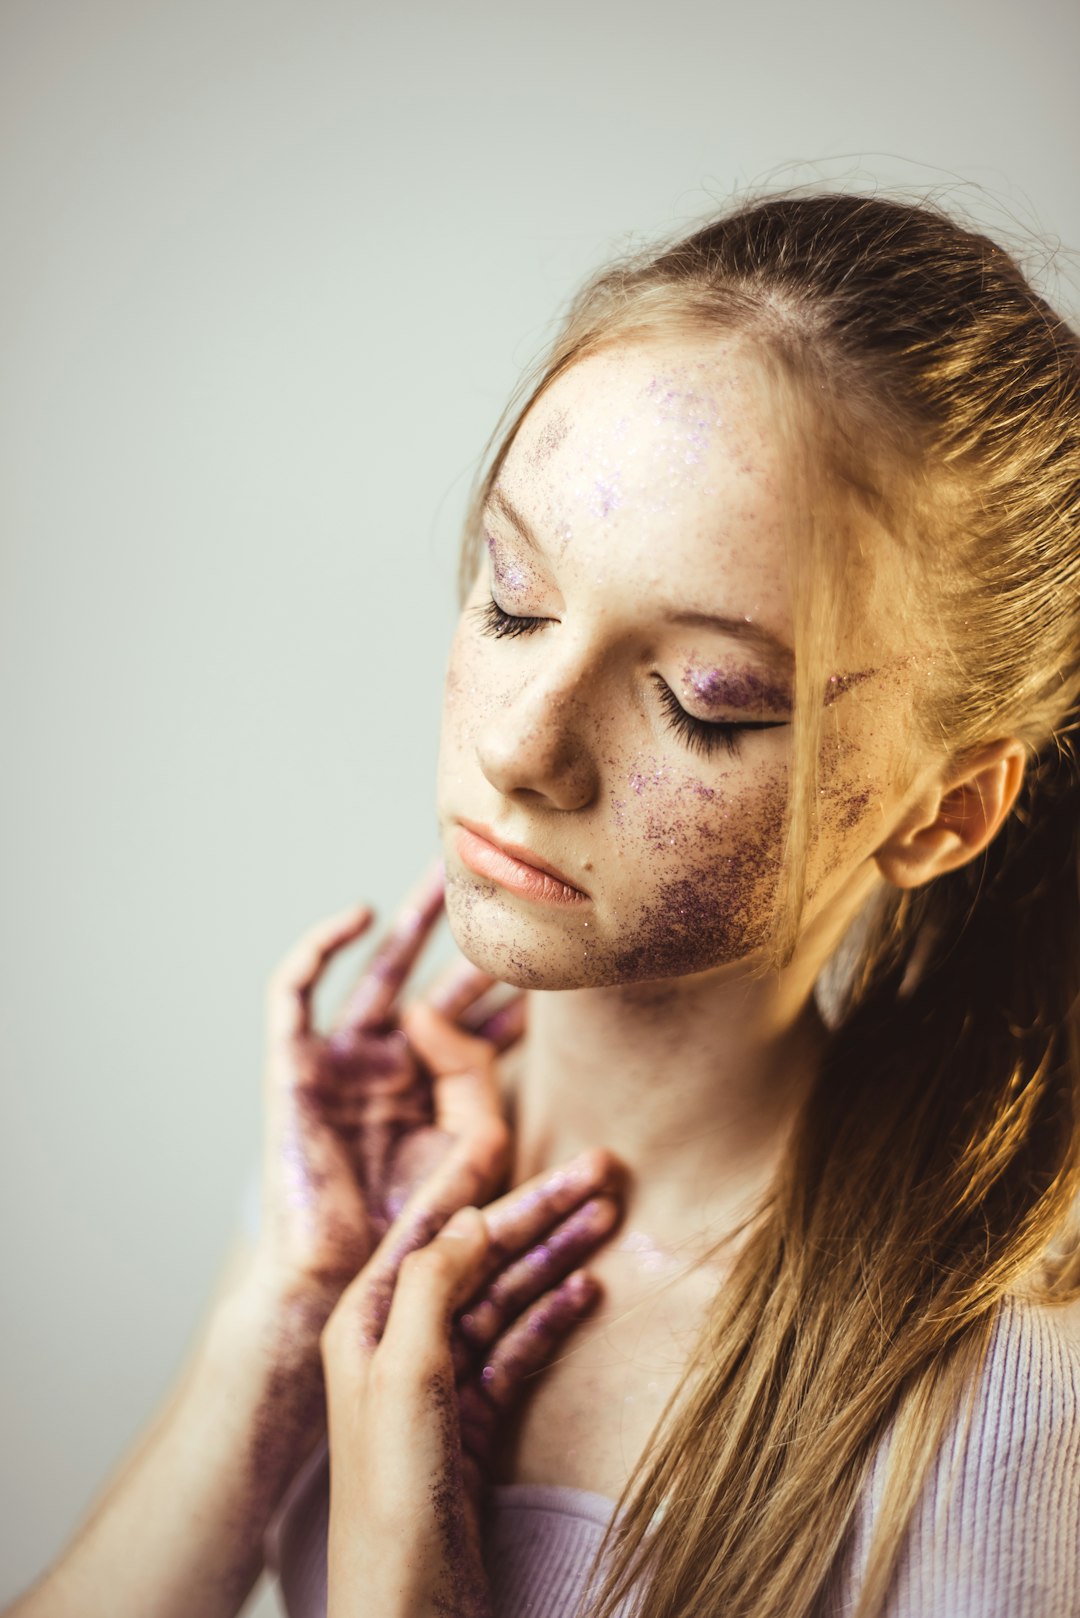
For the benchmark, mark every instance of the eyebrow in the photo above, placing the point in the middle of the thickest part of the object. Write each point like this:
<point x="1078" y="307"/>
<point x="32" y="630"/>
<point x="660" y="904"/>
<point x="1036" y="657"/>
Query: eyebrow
<point x="739" y="628"/>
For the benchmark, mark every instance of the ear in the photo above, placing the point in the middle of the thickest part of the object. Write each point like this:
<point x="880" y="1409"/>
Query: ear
<point x="955" y="817"/>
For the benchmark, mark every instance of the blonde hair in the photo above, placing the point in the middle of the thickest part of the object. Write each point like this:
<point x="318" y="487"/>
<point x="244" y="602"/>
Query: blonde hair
<point x="935" y="1169"/>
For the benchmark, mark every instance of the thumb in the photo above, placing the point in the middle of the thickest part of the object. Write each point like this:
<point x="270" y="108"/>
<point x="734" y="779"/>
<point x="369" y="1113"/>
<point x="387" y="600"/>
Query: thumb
<point x="465" y="1090"/>
<point x="432" y="1282"/>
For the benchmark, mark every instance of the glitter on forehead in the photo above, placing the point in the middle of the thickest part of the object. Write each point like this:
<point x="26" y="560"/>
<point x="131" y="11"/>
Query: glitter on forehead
<point x="693" y="412"/>
<point x="553" y="435"/>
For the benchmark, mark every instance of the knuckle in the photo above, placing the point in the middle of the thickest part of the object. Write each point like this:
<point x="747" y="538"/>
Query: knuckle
<point x="394" y="1376"/>
<point x="489" y="1137"/>
<point x="431" y="1263"/>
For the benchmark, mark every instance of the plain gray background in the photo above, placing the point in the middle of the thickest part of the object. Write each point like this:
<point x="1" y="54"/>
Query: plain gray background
<point x="270" y="271"/>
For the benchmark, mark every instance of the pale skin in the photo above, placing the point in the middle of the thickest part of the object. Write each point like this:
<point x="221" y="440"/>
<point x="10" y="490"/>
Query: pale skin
<point x="377" y="1132"/>
<point x="648" y="477"/>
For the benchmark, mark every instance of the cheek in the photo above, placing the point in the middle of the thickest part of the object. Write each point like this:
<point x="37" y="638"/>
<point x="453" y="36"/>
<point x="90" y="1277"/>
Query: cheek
<point x="467" y="694"/>
<point x="709" y="857"/>
<point x="854" y="791"/>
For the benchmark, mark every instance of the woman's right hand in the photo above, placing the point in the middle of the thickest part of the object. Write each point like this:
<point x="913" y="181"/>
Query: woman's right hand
<point x="428" y="1355"/>
<point x="356" y="1117"/>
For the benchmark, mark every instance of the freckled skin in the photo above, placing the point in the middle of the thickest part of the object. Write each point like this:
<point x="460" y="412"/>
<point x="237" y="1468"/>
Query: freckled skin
<point x="559" y="739"/>
<point x="554" y="434"/>
<point x="511" y="578"/>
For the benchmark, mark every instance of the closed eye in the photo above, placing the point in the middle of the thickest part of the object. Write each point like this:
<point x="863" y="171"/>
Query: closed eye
<point x="494" y="621"/>
<point x="700" y="735"/>
<point x="707" y="735"/>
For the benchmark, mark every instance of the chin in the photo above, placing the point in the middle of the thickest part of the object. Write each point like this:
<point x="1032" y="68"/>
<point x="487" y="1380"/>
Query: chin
<point x="493" y="932"/>
<point x="555" y="951"/>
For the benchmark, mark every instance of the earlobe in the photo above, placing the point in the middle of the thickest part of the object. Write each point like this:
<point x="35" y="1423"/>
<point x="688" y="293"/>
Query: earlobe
<point x="954" y="820"/>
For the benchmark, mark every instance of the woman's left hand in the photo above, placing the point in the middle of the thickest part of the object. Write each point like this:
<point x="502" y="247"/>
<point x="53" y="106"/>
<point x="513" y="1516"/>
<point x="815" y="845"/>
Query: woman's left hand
<point x="420" y="1378"/>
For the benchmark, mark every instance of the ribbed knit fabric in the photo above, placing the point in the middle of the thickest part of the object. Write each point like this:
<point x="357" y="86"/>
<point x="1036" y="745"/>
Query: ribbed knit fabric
<point x="996" y="1533"/>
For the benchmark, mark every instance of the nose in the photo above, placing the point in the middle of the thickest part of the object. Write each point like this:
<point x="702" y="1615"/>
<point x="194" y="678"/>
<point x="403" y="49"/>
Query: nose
<point x="535" y="745"/>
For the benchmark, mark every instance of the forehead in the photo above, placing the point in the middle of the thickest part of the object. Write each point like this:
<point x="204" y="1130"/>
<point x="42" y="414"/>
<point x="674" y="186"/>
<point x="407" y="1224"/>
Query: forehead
<point x="661" y="465"/>
<point x="660" y="460"/>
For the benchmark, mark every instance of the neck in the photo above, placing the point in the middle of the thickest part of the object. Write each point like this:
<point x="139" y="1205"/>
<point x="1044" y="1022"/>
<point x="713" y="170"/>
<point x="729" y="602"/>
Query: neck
<point x="694" y="1083"/>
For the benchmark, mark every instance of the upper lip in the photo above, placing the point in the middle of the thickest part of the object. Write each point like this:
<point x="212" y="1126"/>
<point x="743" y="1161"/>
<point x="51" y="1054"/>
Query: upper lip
<point x="519" y="852"/>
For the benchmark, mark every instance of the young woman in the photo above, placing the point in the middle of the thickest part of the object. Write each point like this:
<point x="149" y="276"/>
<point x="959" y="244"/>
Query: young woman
<point x="758" y="779"/>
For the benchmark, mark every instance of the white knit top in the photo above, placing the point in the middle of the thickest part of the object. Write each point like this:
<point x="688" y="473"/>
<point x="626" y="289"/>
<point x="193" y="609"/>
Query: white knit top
<point x="996" y="1533"/>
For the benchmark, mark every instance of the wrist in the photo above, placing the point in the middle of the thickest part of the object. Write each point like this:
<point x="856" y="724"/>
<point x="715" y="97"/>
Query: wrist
<point x="267" y="1296"/>
<point x="258" y="1363"/>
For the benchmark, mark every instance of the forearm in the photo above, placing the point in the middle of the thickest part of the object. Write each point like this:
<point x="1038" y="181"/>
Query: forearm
<point x="180" y="1529"/>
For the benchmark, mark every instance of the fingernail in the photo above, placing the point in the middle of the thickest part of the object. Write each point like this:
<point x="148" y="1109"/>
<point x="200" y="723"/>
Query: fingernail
<point x="463" y="1223"/>
<point x="580" y="1286"/>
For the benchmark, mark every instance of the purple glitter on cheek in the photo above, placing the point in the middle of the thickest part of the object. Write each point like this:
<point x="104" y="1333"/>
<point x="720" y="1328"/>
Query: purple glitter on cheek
<point x="714" y="907"/>
<point x="837" y="684"/>
<point x="607" y="496"/>
<point x="640" y="781"/>
<point x="854" y="808"/>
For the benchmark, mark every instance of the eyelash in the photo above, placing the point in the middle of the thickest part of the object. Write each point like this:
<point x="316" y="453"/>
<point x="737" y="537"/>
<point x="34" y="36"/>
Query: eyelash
<point x="700" y="735"/>
<point x="493" y="621"/>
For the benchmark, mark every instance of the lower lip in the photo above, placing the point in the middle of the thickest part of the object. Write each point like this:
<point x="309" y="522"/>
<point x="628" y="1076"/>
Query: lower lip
<point x="484" y="859"/>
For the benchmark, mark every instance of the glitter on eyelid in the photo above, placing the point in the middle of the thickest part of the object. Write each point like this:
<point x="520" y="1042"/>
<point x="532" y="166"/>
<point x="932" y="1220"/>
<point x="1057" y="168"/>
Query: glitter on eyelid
<point x="509" y="575"/>
<point x="737" y="689"/>
<point x="746" y="689"/>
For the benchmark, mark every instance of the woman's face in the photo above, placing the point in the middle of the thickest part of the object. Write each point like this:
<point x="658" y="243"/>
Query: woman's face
<point x="618" y="698"/>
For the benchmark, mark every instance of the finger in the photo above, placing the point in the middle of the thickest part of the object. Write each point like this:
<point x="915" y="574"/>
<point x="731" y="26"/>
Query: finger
<point x="464" y="1085"/>
<point x="464" y="1178"/>
<point x="375" y="993"/>
<point x="292" y="983"/>
<point x="431" y="1282"/>
<point x="528" y="1216"/>
<point x="515" y="1288"/>
<point x="505" y="1025"/>
<point x="527" y="1346"/>
<point x="458" y="987"/>
<point x="521" y="1217"/>
<point x="462" y="993"/>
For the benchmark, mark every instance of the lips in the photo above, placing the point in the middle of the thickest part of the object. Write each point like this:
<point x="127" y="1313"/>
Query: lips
<point x="513" y="866"/>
